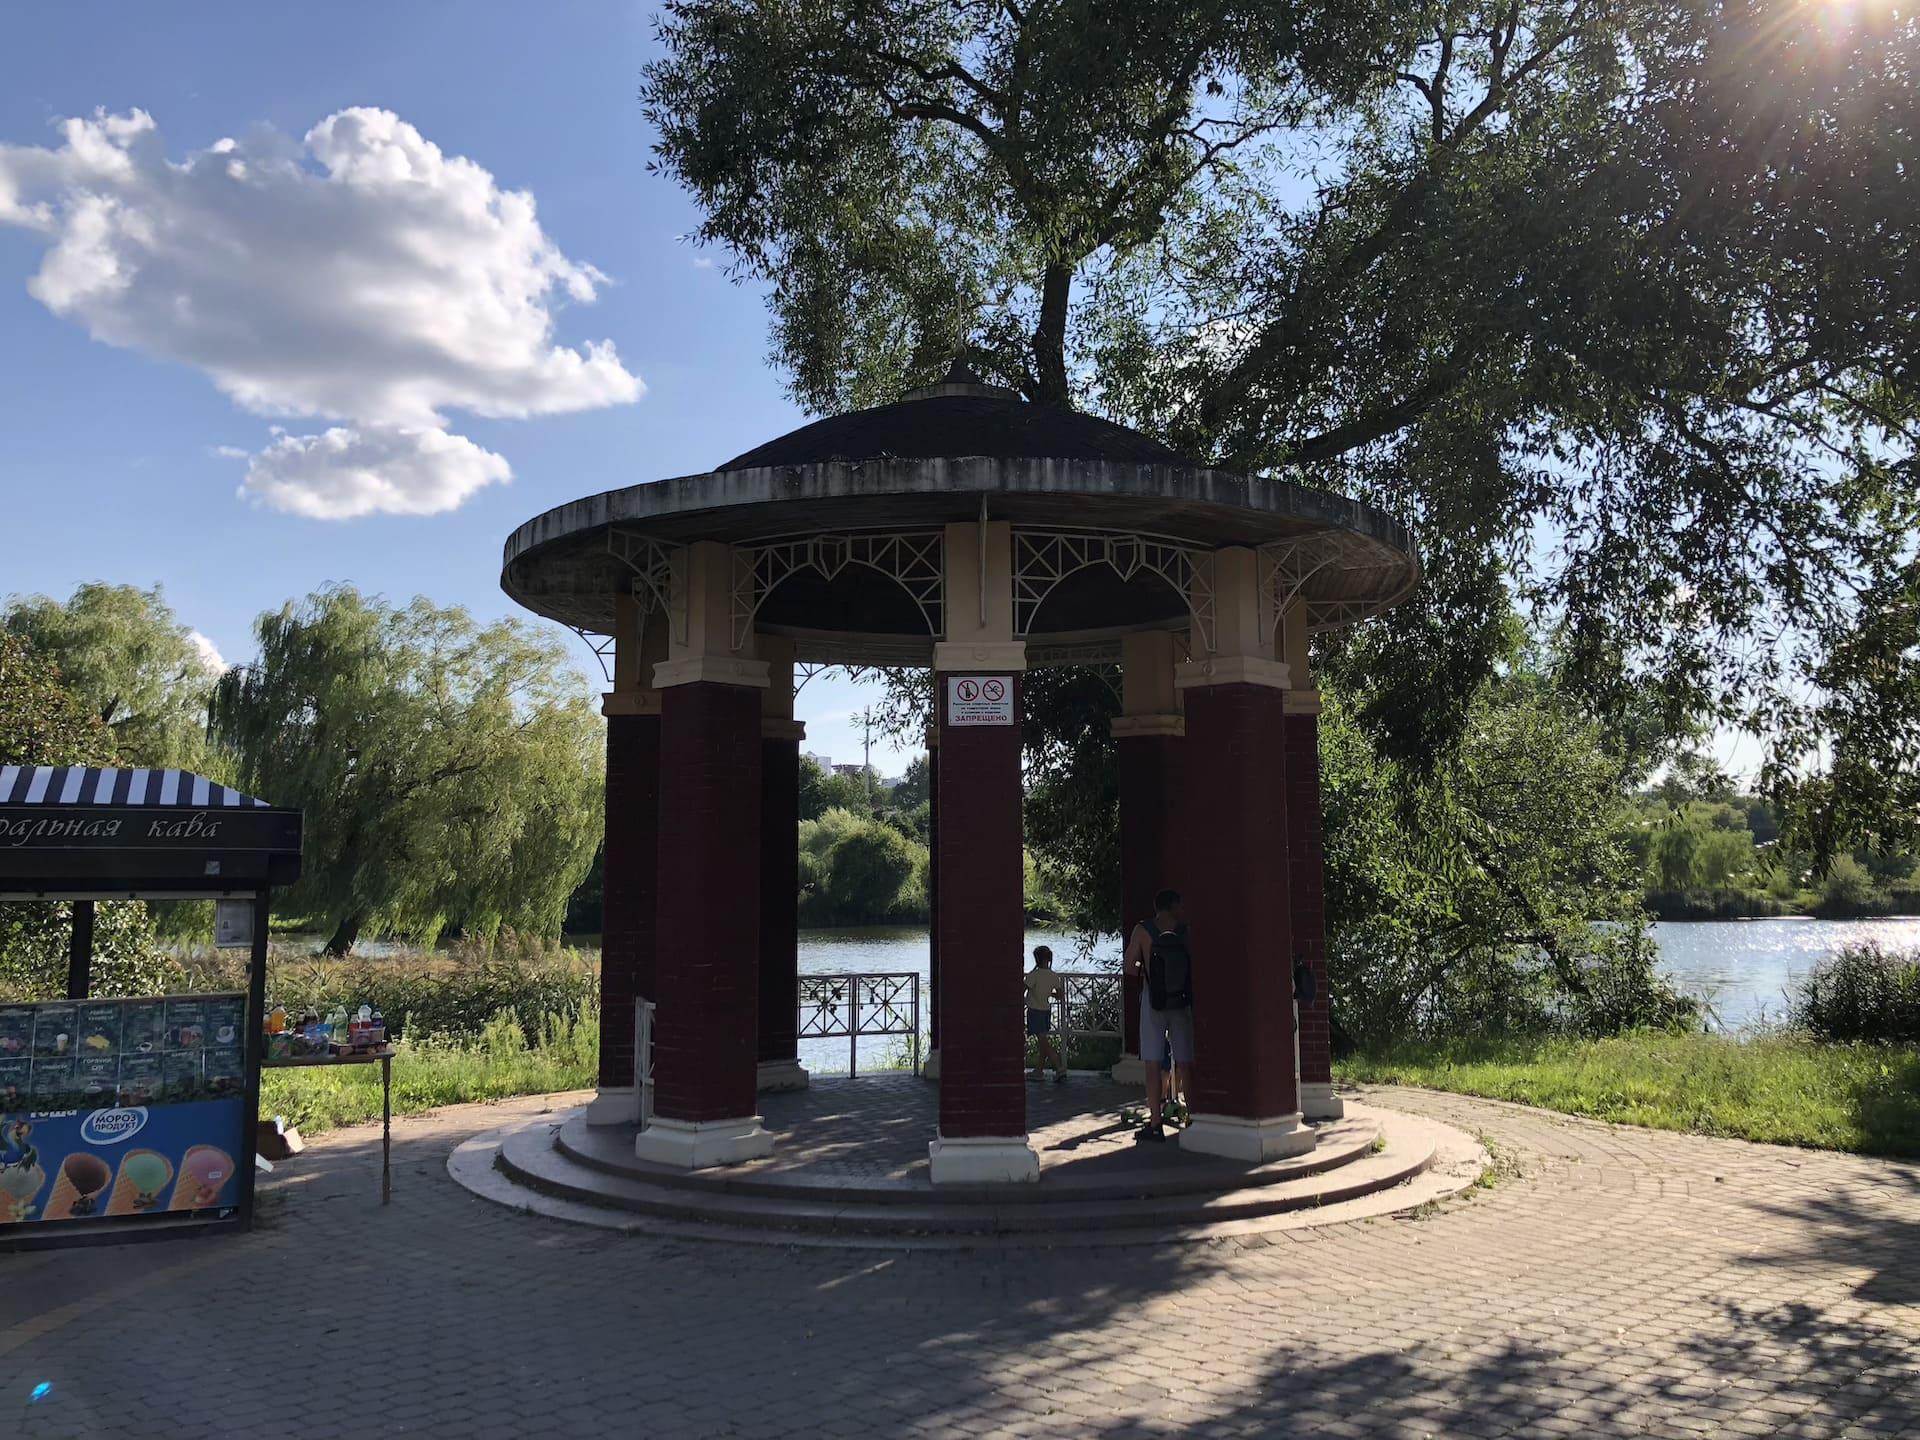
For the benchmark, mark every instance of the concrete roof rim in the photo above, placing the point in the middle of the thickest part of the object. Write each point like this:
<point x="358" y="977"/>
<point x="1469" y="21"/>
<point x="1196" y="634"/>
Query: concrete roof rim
<point x="577" y="519"/>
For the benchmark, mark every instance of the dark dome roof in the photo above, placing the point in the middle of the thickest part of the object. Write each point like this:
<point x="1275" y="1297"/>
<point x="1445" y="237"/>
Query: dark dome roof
<point x="958" y="420"/>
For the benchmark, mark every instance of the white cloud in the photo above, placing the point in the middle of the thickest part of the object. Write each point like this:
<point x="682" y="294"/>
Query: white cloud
<point x="210" y="655"/>
<point x="343" y="473"/>
<point x="361" y="276"/>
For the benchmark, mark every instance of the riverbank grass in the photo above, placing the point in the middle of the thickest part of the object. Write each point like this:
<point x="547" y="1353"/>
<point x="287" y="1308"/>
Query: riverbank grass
<point x="499" y="1063"/>
<point x="1782" y="1090"/>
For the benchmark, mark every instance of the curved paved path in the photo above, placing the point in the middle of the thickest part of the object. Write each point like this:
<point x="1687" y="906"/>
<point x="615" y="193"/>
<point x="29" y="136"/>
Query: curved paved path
<point x="1616" y="1282"/>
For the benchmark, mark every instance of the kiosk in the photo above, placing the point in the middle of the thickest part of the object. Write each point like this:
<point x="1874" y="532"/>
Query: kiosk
<point x="132" y="1118"/>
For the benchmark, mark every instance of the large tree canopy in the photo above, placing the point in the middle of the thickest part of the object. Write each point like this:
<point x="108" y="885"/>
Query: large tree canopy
<point x="451" y="774"/>
<point x="43" y="723"/>
<point x="122" y="653"/>
<point x="1613" y="300"/>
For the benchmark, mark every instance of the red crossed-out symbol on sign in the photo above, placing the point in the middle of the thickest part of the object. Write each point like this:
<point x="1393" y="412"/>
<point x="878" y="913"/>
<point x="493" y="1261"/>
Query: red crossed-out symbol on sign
<point x="968" y="691"/>
<point x="996" y="690"/>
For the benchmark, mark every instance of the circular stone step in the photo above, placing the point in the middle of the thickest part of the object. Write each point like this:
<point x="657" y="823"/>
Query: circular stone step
<point x="1129" y="1171"/>
<point x="1405" y="1162"/>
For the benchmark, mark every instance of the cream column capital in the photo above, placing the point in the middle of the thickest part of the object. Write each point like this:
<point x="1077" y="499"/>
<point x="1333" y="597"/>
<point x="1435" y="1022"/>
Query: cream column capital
<point x="630" y="702"/>
<point x="1232" y="670"/>
<point x="710" y="670"/>
<point x="980" y="656"/>
<point x="1303" y="702"/>
<point x="1126" y="727"/>
<point x="772" y="728"/>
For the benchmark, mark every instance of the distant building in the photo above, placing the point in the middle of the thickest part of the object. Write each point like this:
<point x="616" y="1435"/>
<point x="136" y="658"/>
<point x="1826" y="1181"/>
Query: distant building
<point x="852" y="772"/>
<point x="825" y="762"/>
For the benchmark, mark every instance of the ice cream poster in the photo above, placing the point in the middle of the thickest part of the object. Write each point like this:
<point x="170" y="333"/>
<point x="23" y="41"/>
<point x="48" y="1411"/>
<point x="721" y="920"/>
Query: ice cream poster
<point x="121" y="1162"/>
<point x="121" y="1109"/>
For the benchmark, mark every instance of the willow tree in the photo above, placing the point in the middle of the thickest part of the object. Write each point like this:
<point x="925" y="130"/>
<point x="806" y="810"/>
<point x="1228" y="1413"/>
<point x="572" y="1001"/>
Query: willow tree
<point x="124" y="654"/>
<point x="451" y="773"/>
<point x="43" y="723"/>
<point x="1613" y="300"/>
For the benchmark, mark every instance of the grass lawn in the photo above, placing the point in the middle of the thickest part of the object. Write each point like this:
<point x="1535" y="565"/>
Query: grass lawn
<point x="1782" y="1090"/>
<point x="500" y="1063"/>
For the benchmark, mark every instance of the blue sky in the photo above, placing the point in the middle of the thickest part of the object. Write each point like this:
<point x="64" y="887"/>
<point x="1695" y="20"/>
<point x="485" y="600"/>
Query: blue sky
<point x="112" y="466"/>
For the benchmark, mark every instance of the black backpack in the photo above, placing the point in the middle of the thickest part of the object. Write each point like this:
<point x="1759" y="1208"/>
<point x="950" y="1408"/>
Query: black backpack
<point x="1170" y="969"/>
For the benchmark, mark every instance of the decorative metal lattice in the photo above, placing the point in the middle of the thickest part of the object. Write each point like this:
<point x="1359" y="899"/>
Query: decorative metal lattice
<point x="852" y="1005"/>
<point x="1044" y="558"/>
<point x="1055" y="657"/>
<point x="1089" y="1004"/>
<point x="864" y="654"/>
<point x="1287" y="566"/>
<point x="826" y="1006"/>
<point x="601" y="646"/>
<point x="659" y="576"/>
<point x="914" y="560"/>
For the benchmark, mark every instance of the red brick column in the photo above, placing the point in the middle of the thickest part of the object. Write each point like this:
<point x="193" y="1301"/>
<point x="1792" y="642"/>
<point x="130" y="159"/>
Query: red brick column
<point x="1150" y="858"/>
<point x="628" y="864"/>
<point x="1306" y="887"/>
<point x="1243" y="1093"/>
<point x="779" y="1048"/>
<point x="706" y="1023"/>
<point x="982" y="940"/>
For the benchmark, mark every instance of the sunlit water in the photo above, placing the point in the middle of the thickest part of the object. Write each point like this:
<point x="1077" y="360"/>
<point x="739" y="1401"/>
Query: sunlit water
<point x="1745" y="970"/>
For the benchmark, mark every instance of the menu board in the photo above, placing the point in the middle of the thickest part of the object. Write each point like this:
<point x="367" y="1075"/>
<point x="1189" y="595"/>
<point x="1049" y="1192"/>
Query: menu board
<point x="122" y="1109"/>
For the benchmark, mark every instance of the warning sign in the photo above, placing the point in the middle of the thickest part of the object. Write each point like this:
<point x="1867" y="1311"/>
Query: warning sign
<point x="980" y="700"/>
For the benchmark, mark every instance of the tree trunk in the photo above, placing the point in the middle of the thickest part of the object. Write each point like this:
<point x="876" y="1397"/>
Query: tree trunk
<point x="344" y="935"/>
<point x="1050" y="337"/>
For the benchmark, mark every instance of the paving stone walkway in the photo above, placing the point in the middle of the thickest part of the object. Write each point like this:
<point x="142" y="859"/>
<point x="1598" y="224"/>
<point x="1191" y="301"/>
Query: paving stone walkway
<point x="1614" y="1282"/>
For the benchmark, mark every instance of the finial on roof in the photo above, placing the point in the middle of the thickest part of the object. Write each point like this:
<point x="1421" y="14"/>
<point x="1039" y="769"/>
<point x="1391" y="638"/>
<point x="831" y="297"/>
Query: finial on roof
<point x="960" y="379"/>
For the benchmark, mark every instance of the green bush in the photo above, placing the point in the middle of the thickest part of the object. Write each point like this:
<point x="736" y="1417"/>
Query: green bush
<point x="504" y="1059"/>
<point x="1848" y="889"/>
<point x="868" y="872"/>
<point x="35" y="937"/>
<point x="450" y="995"/>
<point x="1862" y="993"/>
<point x="1388" y="987"/>
<point x="856" y="871"/>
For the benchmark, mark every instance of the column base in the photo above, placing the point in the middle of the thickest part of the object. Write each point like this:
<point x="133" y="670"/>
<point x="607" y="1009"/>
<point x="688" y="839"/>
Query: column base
<point x="930" y="1067"/>
<point x="1255" y="1141"/>
<point x="614" y="1105"/>
<point x="982" y="1160"/>
<point x="702" y="1144"/>
<point x="1318" y="1102"/>
<point x="1129" y="1070"/>
<point x="782" y="1075"/>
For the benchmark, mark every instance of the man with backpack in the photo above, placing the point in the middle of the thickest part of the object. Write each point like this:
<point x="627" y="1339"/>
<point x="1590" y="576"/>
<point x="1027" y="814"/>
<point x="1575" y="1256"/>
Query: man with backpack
<point x="1158" y="953"/>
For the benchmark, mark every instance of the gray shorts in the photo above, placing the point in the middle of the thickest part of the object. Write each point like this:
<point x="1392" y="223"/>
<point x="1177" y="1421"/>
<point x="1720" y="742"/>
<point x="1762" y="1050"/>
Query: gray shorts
<point x="1159" y="1027"/>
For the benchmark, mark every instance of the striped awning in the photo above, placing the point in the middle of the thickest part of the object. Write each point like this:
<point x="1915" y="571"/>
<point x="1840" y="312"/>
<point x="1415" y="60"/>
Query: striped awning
<point x="80" y="831"/>
<point x="89" y="785"/>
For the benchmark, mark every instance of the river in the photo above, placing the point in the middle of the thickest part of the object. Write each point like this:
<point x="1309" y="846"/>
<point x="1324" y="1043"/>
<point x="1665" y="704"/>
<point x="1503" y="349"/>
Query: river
<point x="1745" y="970"/>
